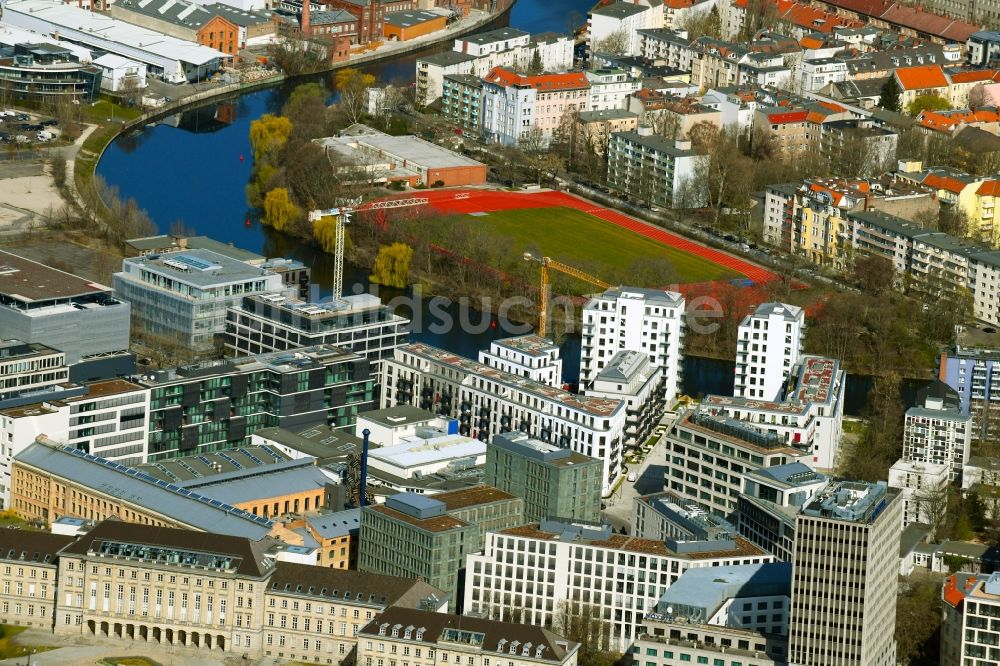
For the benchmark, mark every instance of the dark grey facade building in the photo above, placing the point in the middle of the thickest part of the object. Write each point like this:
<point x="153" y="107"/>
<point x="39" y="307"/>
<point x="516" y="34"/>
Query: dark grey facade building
<point x="218" y="405"/>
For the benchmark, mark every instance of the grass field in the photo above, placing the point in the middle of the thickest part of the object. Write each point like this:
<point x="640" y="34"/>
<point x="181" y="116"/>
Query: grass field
<point x="579" y="239"/>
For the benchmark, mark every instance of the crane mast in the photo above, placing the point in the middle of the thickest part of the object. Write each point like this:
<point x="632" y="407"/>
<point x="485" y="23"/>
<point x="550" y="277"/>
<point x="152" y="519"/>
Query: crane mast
<point x="547" y="264"/>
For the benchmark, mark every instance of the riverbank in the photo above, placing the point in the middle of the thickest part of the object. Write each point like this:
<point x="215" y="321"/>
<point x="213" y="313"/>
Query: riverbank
<point x="85" y="164"/>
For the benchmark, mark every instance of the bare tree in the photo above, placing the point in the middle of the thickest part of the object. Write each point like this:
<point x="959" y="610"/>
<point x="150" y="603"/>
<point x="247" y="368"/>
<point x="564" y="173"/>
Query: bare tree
<point x="615" y="43"/>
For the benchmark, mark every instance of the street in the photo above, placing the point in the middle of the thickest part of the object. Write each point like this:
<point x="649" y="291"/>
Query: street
<point x="649" y="479"/>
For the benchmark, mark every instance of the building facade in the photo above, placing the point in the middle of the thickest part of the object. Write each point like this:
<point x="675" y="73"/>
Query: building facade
<point x="487" y="402"/>
<point x="530" y="356"/>
<point x="29" y="561"/>
<point x="555" y="483"/>
<point x="938" y="432"/>
<point x="847" y="538"/>
<point x="218" y="405"/>
<point x="769" y="343"/>
<point x="544" y="570"/>
<point x="653" y="170"/>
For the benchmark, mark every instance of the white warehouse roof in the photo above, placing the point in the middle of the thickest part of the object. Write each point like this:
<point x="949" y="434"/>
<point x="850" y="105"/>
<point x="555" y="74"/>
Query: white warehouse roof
<point x="50" y="16"/>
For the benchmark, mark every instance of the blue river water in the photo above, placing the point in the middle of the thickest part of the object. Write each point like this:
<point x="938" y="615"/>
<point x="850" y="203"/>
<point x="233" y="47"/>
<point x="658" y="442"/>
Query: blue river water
<point x="193" y="168"/>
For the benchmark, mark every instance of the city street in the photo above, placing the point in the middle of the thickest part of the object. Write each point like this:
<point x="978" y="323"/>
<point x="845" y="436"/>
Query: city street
<point x="649" y="479"/>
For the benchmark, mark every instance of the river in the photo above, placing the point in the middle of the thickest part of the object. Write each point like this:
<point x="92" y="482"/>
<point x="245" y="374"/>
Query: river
<point x="194" y="167"/>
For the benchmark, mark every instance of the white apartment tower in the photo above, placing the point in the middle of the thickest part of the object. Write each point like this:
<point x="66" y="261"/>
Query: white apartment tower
<point x="768" y="345"/>
<point x="844" y="577"/>
<point x="923" y="488"/>
<point x="530" y="356"/>
<point x="650" y="321"/>
<point x="938" y="433"/>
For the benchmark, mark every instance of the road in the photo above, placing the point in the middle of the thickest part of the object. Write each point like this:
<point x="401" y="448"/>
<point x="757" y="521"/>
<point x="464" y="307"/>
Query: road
<point x="649" y="479"/>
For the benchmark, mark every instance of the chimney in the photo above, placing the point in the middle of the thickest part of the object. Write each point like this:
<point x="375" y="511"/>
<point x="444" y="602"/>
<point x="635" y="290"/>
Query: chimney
<point x="304" y="26"/>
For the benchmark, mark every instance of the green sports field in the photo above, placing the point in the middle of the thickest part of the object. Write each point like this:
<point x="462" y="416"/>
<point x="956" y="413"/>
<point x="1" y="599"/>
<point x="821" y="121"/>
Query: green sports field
<point x="589" y="243"/>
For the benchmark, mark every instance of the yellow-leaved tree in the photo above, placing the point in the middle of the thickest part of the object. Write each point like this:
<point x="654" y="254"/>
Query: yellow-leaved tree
<point x="392" y="265"/>
<point x="268" y="134"/>
<point x="279" y="211"/>
<point x="325" y="233"/>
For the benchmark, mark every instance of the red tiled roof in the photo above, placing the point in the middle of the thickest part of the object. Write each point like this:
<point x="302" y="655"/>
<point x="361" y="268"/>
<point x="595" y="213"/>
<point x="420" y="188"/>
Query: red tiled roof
<point x="928" y="23"/>
<point x="952" y="595"/>
<point x="811" y="43"/>
<point x="815" y="117"/>
<point x="944" y="183"/>
<point x="990" y="188"/>
<point x="836" y="108"/>
<point x="788" y="117"/>
<point x="921" y="77"/>
<point x="542" y="82"/>
<point x="973" y="75"/>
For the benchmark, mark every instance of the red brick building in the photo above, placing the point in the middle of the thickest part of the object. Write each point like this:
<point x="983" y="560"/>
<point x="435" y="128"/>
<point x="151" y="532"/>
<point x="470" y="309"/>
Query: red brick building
<point x="371" y="15"/>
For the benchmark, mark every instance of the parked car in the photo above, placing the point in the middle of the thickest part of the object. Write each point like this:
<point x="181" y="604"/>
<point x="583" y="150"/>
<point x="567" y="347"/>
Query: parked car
<point x="23" y="116"/>
<point x="51" y="122"/>
<point x="631" y="478"/>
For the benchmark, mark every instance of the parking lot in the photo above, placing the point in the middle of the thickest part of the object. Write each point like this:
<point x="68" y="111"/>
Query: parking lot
<point x="17" y="127"/>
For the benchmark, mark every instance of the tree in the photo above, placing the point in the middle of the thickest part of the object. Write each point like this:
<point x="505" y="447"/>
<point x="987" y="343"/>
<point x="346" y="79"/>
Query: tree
<point x="279" y="211"/>
<point x="306" y="111"/>
<point x="881" y="444"/>
<point x="268" y="134"/>
<point x="325" y="233"/>
<point x="889" y="95"/>
<point x="978" y="97"/>
<point x="352" y="85"/>
<point x="759" y="15"/>
<point x="584" y="624"/>
<point x="615" y="43"/>
<point x="536" y="67"/>
<point x="918" y="620"/>
<point x="722" y="172"/>
<point x="663" y="122"/>
<point x="392" y="265"/>
<point x="929" y="102"/>
<point x="130" y="91"/>
<point x="874" y="274"/>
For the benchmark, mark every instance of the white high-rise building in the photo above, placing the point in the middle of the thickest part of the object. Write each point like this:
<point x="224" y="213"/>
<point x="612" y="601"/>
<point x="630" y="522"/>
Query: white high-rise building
<point x="923" y="488"/>
<point x="938" y="432"/>
<point x="650" y="321"/>
<point x="768" y="346"/>
<point x="969" y="633"/>
<point x="530" y="356"/>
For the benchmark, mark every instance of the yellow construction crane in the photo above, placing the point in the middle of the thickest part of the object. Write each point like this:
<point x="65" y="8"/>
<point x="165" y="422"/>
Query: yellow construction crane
<point x="548" y="263"/>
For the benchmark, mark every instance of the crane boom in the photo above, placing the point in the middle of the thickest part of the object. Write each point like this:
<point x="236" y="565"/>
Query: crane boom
<point x="543" y="306"/>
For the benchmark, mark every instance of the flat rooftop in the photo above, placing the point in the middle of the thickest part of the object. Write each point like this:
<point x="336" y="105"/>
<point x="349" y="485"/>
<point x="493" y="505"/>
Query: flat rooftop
<point x="850" y="501"/>
<point x="435" y="524"/>
<point x="294" y="360"/>
<point x="532" y="345"/>
<point x="415" y="451"/>
<point x="400" y="415"/>
<point x="599" y="407"/>
<point x="104" y="389"/>
<point x="30" y="282"/>
<point x="211" y="465"/>
<point x="462" y="499"/>
<point x="317" y="441"/>
<point x="743" y="548"/>
<point x="198" y="268"/>
<point x="544" y="452"/>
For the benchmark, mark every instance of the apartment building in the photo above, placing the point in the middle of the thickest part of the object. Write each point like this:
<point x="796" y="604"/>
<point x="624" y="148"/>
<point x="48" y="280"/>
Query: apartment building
<point x="592" y="130"/>
<point x="487" y="401"/>
<point x="555" y="483"/>
<point x="543" y="569"/>
<point x="621" y="22"/>
<point x="184" y="295"/>
<point x="847" y="538"/>
<point x="769" y="343"/>
<point x="653" y="170"/>
<point x="433" y="69"/>
<point x="217" y="405"/>
<point x="664" y="515"/>
<point x="610" y="88"/>
<point x="968" y="632"/>
<point x="650" y="321"/>
<point x="670" y="643"/>
<point x="461" y="102"/>
<point x="923" y="490"/>
<point x="811" y="218"/>
<point x="631" y="377"/>
<point x="436" y="639"/>
<point x="265" y="323"/>
<point x="671" y="47"/>
<point x="809" y="417"/>
<point x="530" y="356"/>
<point x="715" y="63"/>
<point x="769" y="502"/>
<point x="50" y="481"/>
<point x="82" y="319"/>
<point x="938" y="431"/>
<point x="30" y="564"/>
<point x="709" y="455"/>
<point x="423" y="537"/>
<point x="974" y="373"/>
<point x="514" y="105"/>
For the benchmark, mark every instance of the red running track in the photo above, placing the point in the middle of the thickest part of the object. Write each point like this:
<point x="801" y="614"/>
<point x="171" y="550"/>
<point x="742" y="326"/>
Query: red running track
<point x="485" y="201"/>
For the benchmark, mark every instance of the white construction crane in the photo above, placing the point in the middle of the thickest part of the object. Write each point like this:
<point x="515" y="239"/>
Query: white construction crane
<point x="343" y="215"/>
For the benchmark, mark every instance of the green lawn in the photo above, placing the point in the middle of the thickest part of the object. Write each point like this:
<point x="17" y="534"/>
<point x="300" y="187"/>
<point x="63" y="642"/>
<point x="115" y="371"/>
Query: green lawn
<point x="589" y="243"/>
